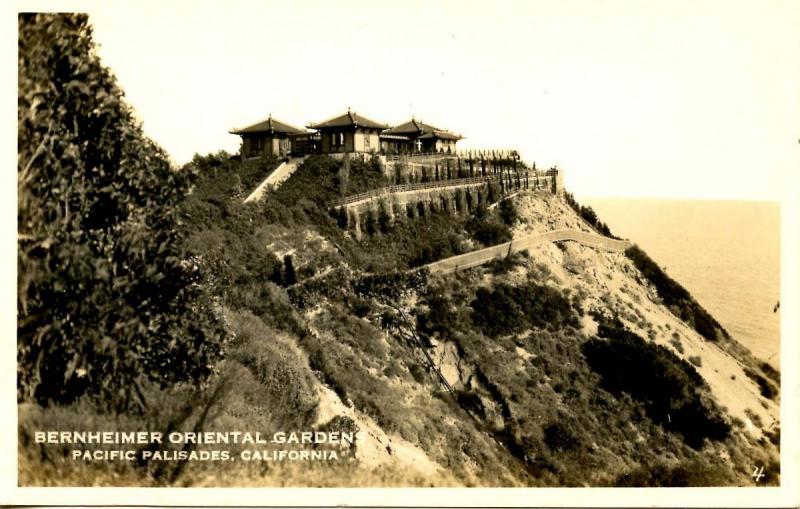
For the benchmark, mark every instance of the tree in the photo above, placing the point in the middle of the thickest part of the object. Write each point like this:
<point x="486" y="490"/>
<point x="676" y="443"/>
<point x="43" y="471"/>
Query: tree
<point x="370" y="222"/>
<point x="384" y="218"/>
<point x="341" y="217"/>
<point x="289" y="274"/>
<point x="343" y="175"/>
<point x="508" y="212"/>
<point x="106" y="298"/>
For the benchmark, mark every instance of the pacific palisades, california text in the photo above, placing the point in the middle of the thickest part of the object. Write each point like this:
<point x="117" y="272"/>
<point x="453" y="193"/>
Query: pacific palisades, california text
<point x="334" y="438"/>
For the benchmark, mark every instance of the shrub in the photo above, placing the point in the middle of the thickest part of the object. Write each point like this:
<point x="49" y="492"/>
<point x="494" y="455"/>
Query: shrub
<point x="419" y="373"/>
<point x="506" y="309"/>
<point x="486" y="230"/>
<point x="676" y="342"/>
<point x="508" y="212"/>
<point x="767" y="389"/>
<point x="692" y="474"/>
<point x="440" y="319"/>
<point x="507" y="263"/>
<point x="588" y="214"/>
<point x="669" y="387"/>
<point x="286" y="384"/>
<point x="289" y="274"/>
<point x="105" y="296"/>
<point x="490" y="233"/>
<point x="771" y="372"/>
<point x="560" y="439"/>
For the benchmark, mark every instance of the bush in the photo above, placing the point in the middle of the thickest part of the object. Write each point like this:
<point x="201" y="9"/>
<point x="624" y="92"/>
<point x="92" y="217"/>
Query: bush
<point x="413" y="243"/>
<point x="486" y="230"/>
<point x="508" y="212"/>
<point x="286" y="383"/>
<point x="767" y="389"/>
<point x="506" y="309"/>
<point x="771" y="372"/>
<point x="669" y="387"/>
<point x="560" y="439"/>
<point x="507" y="263"/>
<point x="490" y="233"/>
<point x="440" y="319"/>
<point x="105" y="295"/>
<point x="692" y="474"/>
<point x="589" y="215"/>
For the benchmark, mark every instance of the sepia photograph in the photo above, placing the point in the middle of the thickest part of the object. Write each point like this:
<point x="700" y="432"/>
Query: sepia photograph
<point x="430" y="244"/>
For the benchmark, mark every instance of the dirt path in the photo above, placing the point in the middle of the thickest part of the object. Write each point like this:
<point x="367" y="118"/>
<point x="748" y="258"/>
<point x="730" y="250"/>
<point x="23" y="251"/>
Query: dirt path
<point x="481" y="256"/>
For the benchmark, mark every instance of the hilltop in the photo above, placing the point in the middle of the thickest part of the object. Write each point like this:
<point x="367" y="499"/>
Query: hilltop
<point x="562" y="366"/>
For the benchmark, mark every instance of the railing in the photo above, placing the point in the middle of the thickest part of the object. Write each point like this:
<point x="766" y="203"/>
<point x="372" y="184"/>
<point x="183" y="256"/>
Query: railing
<point x="397" y="157"/>
<point x="475" y="155"/>
<point x="528" y="177"/>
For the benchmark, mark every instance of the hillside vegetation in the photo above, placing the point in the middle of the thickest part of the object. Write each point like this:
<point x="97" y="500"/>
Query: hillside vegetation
<point x="560" y="366"/>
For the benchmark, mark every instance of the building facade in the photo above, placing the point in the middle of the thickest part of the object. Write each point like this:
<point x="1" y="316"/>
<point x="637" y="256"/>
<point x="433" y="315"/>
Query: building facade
<point x="349" y="132"/>
<point x="346" y="133"/>
<point x="269" y="137"/>
<point x="417" y="136"/>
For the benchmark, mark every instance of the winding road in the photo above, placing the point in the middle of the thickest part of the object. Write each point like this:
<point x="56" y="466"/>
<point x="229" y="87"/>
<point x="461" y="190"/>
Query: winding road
<point x="481" y="256"/>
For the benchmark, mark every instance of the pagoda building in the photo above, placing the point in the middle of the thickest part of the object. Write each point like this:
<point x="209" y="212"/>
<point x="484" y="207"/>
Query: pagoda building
<point x="349" y="132"/>
<point x="417" y="136"/>
<point x="270" y="137"/>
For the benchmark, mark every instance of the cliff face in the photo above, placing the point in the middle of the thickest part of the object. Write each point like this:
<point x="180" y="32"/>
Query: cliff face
<point x="612" y="283"/>
<point x="528" y="401"/>
<point x="558" y="366"/>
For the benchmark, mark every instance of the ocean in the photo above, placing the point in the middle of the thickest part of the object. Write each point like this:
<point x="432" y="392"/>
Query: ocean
<point x="726" y="253"/>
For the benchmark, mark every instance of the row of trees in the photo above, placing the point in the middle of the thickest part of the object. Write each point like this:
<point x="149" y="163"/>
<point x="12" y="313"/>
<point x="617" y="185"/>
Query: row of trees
<point x="455" y="168"/>
<point x="465" y="200"/>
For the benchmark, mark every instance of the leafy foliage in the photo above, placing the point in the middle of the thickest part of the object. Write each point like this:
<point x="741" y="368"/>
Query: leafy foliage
<point x="692" y="474"/>
<point x="560" y="438"/>
<point x="767" y="389"/>
<point x="506" y="309"/>
<point x="413" y="243"/>
<point x="321" y="179"/>
<point x="508" y="212"/>
<point x="487" y="230"/>
<point x="221" y="175"/>
<point x="669" y="387"/>
<point x="105" y="295"/>
<point x="589" y="215"/>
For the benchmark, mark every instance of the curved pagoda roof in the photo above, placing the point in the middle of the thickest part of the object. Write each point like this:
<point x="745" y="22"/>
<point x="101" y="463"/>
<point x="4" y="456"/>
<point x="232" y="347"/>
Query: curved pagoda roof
<point x="441" y="135"/>
<point x="422" y="131"/>
<point x="349" y="119"/>
<point x="413" y="126"/>
<point x="270" y="125"/>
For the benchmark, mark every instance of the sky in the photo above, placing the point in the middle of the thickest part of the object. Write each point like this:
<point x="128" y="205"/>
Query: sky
<point x="671" y="99"/>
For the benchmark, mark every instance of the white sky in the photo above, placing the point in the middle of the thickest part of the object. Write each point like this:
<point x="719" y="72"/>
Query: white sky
<point x="630" y="98"/>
